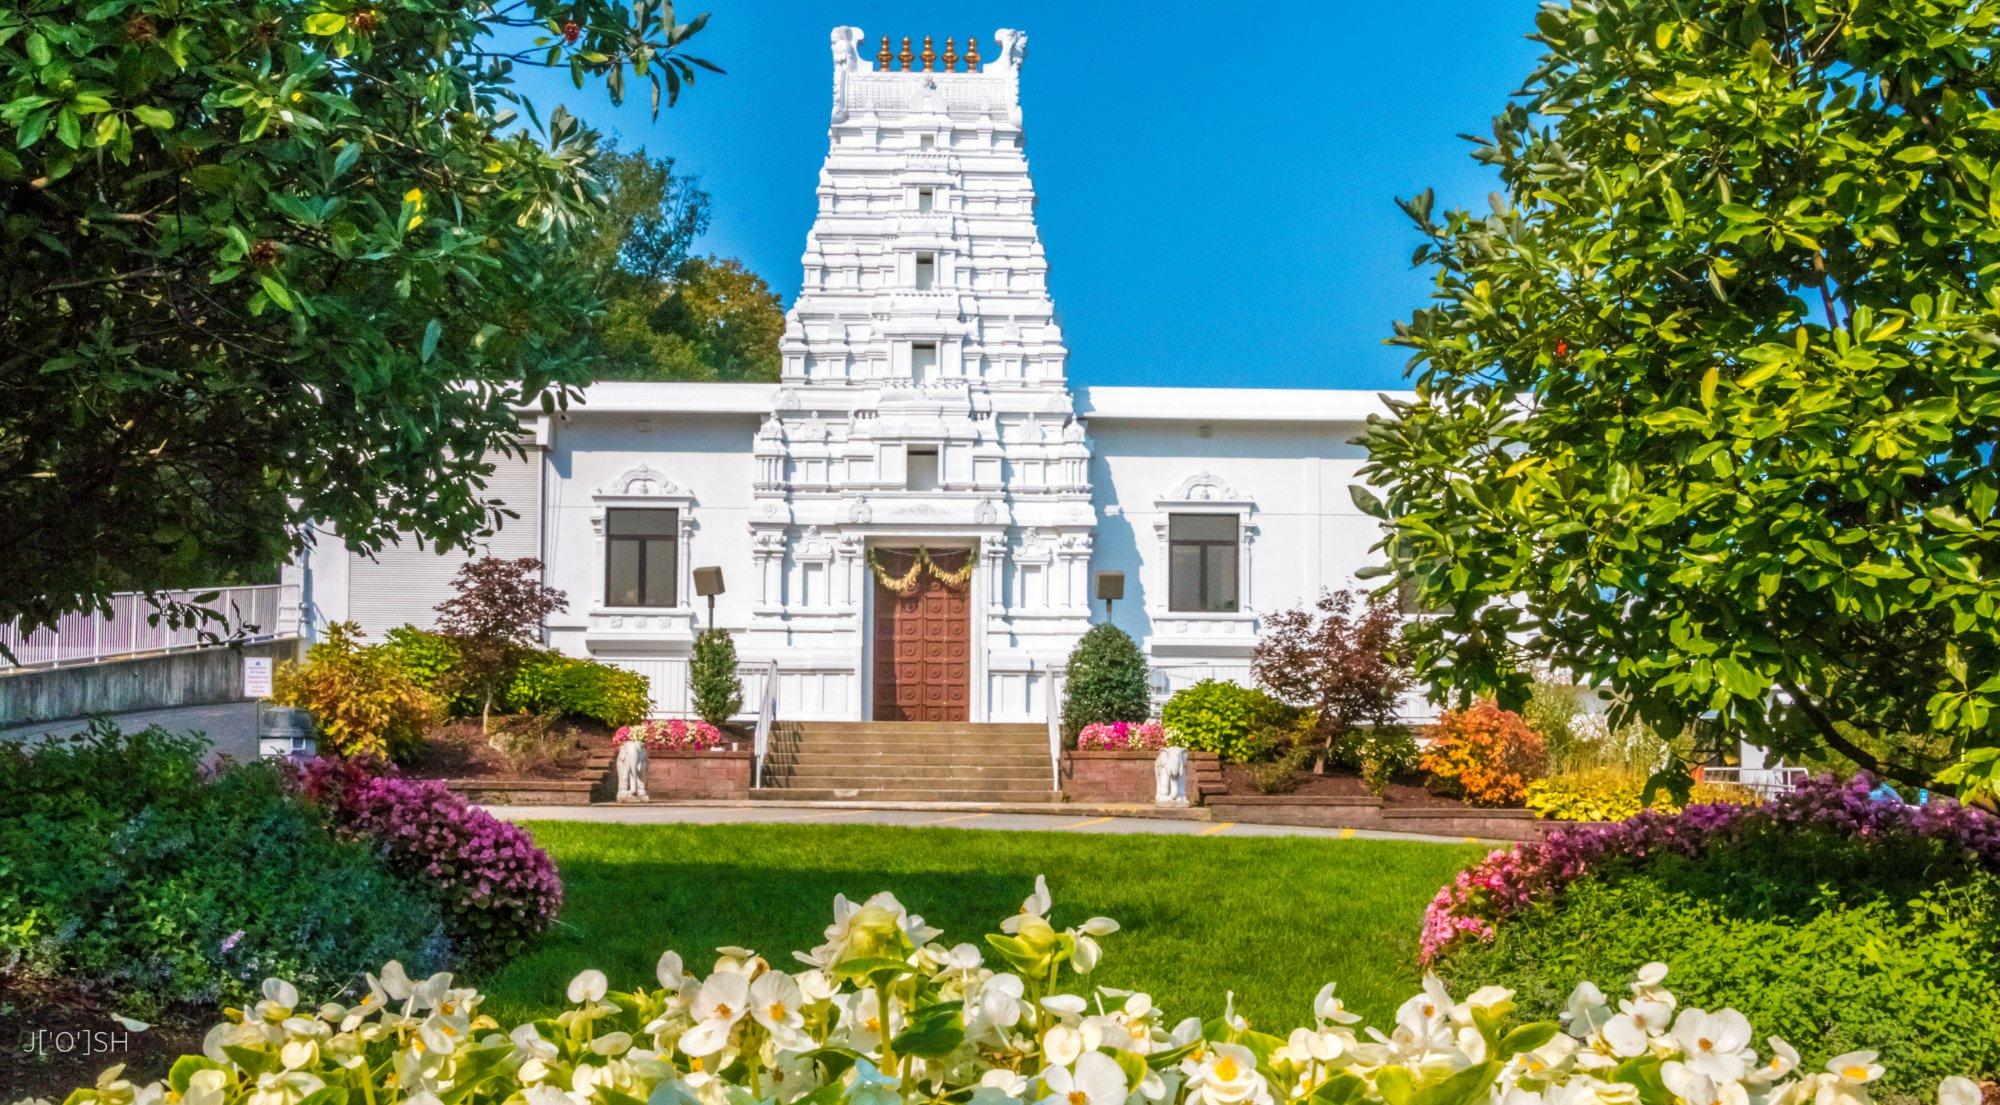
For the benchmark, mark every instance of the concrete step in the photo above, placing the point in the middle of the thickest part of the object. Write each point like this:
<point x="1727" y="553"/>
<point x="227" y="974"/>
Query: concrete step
<point x="953" y="746"/>
<point x="904" y="728"/>
<point x="878" y="794"/>
<point x="912" y="774"/>
<point x="815" y="757"/>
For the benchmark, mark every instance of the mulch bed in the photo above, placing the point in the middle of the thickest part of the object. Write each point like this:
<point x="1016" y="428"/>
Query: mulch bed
<point x="458" y="751"/>
<point x="54" y="1039"/>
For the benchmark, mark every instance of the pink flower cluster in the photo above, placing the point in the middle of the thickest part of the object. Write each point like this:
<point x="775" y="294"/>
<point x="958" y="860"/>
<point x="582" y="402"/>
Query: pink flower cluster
<point x="1509" y="880"/>
<point x="498" y="889"/>
<point x="1122" y="736"/>
<point x="674" y="735"/>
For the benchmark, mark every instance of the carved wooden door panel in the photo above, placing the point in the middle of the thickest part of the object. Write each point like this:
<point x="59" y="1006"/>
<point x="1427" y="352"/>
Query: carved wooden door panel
<point x="923" y="652"/>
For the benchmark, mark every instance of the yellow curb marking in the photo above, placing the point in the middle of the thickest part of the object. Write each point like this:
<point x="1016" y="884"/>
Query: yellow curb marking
<point x="1347" y="834"/>
<point x="1214" y="829"/>
<point x="954" y="817"/>
<point x="1472" y="840"/>
<point x="1085" y="824"/>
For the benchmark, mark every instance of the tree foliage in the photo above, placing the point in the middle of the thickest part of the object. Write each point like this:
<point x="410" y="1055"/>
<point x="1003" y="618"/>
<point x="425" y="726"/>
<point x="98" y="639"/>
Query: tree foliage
<point x="1339" y="660"/>
<point x="275" y="262"/>
<point x="493" y="617"/>
<point x="715" y="320"/>
<point x="1706" y="404"/>
<point x="713" y="684"/>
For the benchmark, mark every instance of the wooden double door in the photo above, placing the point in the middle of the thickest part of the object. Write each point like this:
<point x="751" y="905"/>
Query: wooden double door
<point x="922" y="649"/>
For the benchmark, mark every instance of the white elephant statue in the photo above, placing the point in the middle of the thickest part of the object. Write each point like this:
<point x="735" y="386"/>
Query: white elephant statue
<point x="631" y="770"/>
<point x="1170" y="784"/>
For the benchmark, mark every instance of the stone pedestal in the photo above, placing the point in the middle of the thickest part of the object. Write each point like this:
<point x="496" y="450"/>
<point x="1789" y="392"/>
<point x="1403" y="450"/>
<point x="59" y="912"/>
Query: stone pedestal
<point x="672" y="776"/>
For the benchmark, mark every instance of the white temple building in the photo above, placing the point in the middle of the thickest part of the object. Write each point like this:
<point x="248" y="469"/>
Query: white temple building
<point x="924" y="433"/>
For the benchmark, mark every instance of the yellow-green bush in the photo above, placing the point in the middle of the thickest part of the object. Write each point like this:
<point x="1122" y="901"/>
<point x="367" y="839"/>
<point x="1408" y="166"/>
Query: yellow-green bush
<point x="1612" y="794"/>
<point x="364" y="702"/>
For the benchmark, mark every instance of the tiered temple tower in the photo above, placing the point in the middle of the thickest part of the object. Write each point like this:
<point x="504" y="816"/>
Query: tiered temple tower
<point x="924" y="401"/>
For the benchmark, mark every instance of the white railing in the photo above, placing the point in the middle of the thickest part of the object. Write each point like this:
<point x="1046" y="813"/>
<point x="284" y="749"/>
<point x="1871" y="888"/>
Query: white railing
<point x="1050" y="682"/>
<point x="767" y="715"/>
<point x="250" y="613"/>
<point x="1767" y="782"/>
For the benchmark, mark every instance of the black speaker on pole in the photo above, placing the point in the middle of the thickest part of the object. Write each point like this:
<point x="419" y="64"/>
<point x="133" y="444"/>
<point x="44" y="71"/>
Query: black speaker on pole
<point x="708" y="584"/>
<point x="1110" y="588"/>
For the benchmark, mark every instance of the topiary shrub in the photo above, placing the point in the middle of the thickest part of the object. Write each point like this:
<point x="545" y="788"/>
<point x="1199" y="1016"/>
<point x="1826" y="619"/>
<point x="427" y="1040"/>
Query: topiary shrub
<point x="128" y="868"/>
<point x="1836" y="921"/>
<point x="545" y="681"/>
<point x="497" y="890"/>
<point x="1483" y="754"/>
<point x="1236" y="722"/>
<point x="364" y="703"/>
<point x="714" y="686"/>
<point x="1105" y="682"/>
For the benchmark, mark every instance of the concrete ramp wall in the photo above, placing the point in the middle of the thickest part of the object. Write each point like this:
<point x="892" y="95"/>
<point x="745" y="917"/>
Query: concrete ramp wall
<point x="197" y="677"/>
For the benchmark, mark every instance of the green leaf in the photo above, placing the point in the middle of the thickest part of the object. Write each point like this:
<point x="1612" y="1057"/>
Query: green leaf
<point x="326" y="23"/>
<point x="279" y="295"/>
<point x="432" y="333"/>
<point x="155" y="117"/>
<point x="1366" y="501"/>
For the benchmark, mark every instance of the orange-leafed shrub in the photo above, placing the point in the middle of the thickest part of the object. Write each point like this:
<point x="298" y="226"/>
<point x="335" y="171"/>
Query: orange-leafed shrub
<point x="1485" y="755"/>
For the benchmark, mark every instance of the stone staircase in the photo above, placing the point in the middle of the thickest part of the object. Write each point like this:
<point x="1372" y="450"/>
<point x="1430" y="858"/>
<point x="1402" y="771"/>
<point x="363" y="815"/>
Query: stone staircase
<point x="908" y="761"/>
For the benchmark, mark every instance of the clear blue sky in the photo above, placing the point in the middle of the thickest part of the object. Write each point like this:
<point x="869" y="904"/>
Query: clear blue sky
<point x="1216" y="187"/>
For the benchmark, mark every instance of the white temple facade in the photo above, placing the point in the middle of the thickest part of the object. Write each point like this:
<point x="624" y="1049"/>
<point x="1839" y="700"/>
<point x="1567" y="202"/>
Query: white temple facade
<point x="911" y="522"/>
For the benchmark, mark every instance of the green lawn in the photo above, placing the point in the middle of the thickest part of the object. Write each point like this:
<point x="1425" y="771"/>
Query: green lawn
<point x="1271" y="918"/>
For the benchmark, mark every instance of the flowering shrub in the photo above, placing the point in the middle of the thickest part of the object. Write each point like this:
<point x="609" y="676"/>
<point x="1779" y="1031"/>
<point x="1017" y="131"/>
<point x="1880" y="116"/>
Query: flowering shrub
<point x="1612" y="794"/>
<point x="1122" y="736"/>
<point x="1511" y="879"/>
<point x="1484" y="754"/>
<point x="498" y="890"/>
<point x="672" y="735"/>
<point x="883" y="1013"/>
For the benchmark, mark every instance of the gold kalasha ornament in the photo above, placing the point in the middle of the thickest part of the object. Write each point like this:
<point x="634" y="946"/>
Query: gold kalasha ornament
<point x="930" y="56"/>
<point x="882" y="56"/>
<point x="906" y="57"/>
<point x="972" y="53"/>
<point x="950" y="56"/>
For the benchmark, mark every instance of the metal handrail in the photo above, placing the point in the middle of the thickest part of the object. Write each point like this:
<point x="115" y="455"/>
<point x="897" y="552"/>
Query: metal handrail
<point x="767" y="715"/>
<point x="249" y="612"/>
<point x="1055" y="728"/>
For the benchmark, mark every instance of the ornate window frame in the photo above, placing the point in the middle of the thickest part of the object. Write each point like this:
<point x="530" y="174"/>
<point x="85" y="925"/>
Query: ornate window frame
<point x="1202" y="493"/>
<point x="646" y="488"/>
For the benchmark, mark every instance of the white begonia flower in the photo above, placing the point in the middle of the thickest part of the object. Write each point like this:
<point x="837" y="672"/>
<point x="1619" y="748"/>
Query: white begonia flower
<point x="1330" y="1010"/>
<point x="816" y="985"/>
<point x="1320" y="1047"/>
<point x="1035" y="905"/>
<point x="962" y="958"/>
<point x="207" y="1087"/>
<point x="1549" y="1058"/>
<point x="1516" y="1095"/>
<point x="282" y="1088"/>
<point x="1067" y="1006"/>
<point x="612" y="1044"/>
<point x="553" y="1095"/>
<point x="1010" y="1083"/>
<point x="1088" y="952"/>
<point x="280" y="998"/>
<point x="434" y="991"/>
<point x="1063" y="1044"/>
<point x="1689" y="1084"/>
<point x="777" y="1003"/>
<point x="1715" y="1044"/>
<point x="1095" y="1080"/>
<point x="1652" y="1016"/>
<point x="392" y="982"/>
<point x="1618" y="1039"/>
<point x="1228" y="1075"/>
<point x="671" y="972"/>
<point x="1855" y="1068"/>
<point x="722" y="1001"/>
<point x="997" y="1007"/>
<point x="588" y="986"/>
<point x="1586" y="1011"/>
<point x="1783" y="1061"/>
<point x="1959" y="1090"/>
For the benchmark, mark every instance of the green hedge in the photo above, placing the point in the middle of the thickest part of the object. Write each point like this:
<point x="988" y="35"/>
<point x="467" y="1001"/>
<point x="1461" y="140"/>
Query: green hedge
<point x="1236" y="722"/>
<point x="126" y="869"/>
<point x="1832" y="945"/>
<point x="1105" y="681"/>
<point x="548" y="682"/>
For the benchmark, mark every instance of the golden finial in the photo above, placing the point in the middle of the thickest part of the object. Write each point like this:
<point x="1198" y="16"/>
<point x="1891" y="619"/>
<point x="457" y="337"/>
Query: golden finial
<point x="972" y="53"/>
<point x="882" y="55"/>
<point x="950" y="56"/>
<point x="906" y="57"/>
<point x="930" y="56"/>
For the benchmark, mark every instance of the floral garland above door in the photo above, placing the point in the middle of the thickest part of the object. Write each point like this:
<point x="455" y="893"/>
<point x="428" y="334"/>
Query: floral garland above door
<point x="904" y="581"/>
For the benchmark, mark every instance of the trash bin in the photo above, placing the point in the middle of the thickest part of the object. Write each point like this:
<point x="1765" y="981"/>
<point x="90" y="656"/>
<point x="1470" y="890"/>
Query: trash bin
<point x="285" y="732"/>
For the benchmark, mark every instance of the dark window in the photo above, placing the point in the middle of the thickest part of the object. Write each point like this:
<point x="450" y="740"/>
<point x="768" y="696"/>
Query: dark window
<point x="926" y="271"/>
<point x="1201" y="563"/>
<point x="641" y="557"/>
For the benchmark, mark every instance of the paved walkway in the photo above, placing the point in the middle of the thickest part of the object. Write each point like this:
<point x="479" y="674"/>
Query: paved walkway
<point x="1004" y="818"/>
<point x="231" y="726"/>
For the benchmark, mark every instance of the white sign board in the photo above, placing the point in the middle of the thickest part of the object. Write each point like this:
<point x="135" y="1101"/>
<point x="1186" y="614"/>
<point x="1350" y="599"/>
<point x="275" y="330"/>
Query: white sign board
<point x="256" y="677"/>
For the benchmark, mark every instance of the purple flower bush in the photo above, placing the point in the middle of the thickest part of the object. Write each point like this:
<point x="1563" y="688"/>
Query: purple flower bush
<point x="1122" y="736"/>
<point x="498" y="890"/>
<point x="1509" y="880"/>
